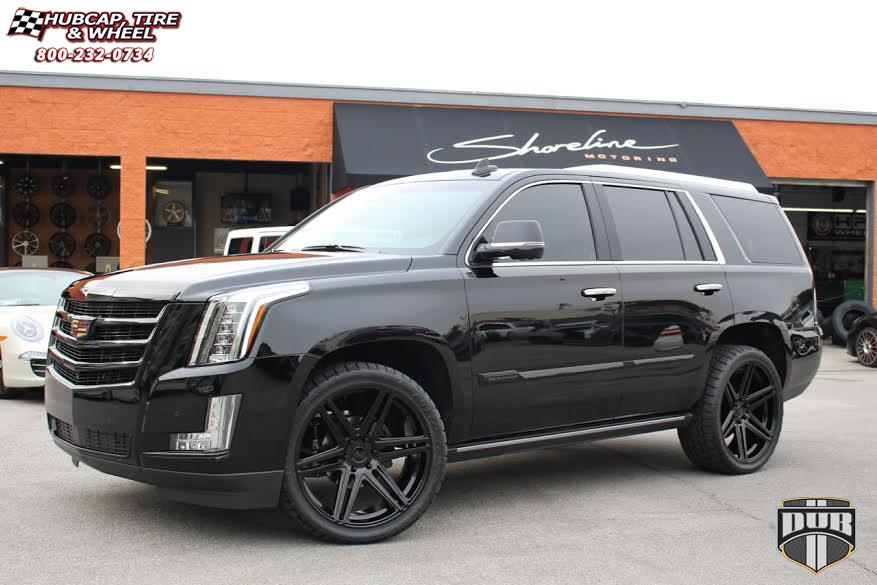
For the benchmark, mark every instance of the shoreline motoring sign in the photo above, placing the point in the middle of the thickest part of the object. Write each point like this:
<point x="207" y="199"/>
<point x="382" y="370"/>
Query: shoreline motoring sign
<point x="377" y="142"/>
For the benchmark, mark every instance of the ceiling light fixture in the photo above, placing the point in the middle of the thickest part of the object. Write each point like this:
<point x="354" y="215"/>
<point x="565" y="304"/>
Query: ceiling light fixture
<point x="148" y="167"/>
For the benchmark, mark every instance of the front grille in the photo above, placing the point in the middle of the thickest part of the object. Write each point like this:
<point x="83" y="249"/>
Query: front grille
<point x="82" y="377"/>
<point x="38" y="366"/>
<point x="115" y="337"/>
<point x="98" y="355"/>
<point x="121" y="310"/>
<point x="93" y="439"/>
<point x="126" y="332"/>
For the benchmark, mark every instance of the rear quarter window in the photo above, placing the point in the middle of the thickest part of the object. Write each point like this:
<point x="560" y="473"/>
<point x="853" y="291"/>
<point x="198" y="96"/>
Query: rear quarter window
<point x="761" y="230"/>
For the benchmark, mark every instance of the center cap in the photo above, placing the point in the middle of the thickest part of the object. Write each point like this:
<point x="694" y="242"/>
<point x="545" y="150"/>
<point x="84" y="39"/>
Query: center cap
<point x="358" y="454"/>
<point x="738" y="411"/>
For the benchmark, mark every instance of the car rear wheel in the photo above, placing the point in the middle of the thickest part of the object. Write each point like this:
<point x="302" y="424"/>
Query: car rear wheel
<point x="737" y="422"/>
<point x="866" y="347"/>
<point x="367" y="454"/>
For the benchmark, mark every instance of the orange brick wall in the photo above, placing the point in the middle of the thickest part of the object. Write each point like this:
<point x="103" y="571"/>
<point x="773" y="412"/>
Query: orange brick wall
<point x="816" y="151"/>
<point x="136" y="125"/>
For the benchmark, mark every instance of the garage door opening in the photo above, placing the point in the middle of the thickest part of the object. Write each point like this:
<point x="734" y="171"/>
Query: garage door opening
<point x="831" y="222"/>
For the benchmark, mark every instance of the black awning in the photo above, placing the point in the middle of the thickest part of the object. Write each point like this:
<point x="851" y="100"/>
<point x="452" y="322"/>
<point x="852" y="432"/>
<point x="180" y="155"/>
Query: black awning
<point x="375" y="142"/>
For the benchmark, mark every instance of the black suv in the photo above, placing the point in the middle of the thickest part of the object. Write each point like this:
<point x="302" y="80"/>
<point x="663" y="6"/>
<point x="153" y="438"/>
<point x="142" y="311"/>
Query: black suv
<point x="437" y="318"/>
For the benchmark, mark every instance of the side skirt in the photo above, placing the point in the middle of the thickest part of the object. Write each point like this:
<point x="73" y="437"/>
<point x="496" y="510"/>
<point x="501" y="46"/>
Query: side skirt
<point x="543" y="439"/>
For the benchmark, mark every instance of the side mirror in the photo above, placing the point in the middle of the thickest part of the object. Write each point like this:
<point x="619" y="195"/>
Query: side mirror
<point x="516" y="239"/>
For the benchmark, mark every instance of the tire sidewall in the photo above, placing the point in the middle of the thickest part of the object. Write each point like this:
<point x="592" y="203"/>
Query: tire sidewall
<point x="839" y="332"/>
<point x="417" y="399"/>
<point x="751" y="355"/>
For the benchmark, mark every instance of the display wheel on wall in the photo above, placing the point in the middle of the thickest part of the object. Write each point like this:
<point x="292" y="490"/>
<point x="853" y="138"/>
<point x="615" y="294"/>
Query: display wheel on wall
<point x="98" y="215"/>
<point x="26" y="185"/>
<point x="25" y="243"/>
<point x="62" y="215"/>
<point x="174" y="213"/>
<point x="61" y="264"/>
<point x="62" y="245"/>
<point x="98" y="187"/>
<point x="26" y="214"/>
<point x="62" y="186"/>
<point x="97" y="244"/>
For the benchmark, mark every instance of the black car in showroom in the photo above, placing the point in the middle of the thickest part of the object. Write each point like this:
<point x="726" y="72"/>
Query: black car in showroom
<point x="438" y="318"/>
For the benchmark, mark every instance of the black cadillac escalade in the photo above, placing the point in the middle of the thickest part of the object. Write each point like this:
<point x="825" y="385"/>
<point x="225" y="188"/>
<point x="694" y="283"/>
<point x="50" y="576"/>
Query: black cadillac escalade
<point x="437" y="318"/>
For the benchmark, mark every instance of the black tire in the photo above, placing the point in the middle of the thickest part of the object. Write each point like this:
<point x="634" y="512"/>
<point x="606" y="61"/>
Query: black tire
<point x="827" y="328"/>
<point x="703" y="439"/>
<point x="866" y="347"/>
<point x="843" y="317"/>
<point x="360" y="459"/>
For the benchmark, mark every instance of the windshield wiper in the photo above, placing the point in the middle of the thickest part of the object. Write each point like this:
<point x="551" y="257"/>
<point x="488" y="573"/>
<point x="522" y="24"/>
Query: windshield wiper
<point x="332" y="248"/>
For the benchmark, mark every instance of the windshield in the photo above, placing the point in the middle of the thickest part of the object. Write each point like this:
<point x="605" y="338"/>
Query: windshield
<point x="23" y="288"/>
<point x="389" y="217"/>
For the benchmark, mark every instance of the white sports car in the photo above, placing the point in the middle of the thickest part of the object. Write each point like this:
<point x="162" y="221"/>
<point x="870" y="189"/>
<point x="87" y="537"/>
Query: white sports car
<point x="28" y="299"/>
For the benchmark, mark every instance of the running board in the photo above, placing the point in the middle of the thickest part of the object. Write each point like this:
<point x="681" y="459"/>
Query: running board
<point x="575" y="435"/>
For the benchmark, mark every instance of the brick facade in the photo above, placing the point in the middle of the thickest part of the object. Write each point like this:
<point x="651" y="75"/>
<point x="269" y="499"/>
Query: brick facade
<point x="136" y="125"/>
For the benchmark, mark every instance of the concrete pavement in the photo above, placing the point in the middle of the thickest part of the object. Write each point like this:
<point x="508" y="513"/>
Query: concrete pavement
<point x="628" y="511"/>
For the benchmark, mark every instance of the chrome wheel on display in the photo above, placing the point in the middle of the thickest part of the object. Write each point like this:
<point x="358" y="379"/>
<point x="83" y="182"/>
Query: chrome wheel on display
<point x="174" y="213"/>
<point x="25" y="243"/>
<point x="866" y="347"/>
<point x="98" y="215"/>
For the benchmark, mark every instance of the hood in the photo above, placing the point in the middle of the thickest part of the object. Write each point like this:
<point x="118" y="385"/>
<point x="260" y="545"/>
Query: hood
<point x="201" y="278"/>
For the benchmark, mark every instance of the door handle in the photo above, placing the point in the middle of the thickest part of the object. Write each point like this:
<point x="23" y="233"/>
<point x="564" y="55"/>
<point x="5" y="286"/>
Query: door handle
<point x="707" y="289"/>
<point x="598" y="294"/>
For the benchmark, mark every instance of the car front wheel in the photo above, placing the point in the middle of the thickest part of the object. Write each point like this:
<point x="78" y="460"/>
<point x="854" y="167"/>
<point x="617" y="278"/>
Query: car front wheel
<point x="367" y="454"/>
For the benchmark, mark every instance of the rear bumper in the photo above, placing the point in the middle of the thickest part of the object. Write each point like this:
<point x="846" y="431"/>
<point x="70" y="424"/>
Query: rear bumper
<point x="227" y="490"/>
<point x="803" y="362"/>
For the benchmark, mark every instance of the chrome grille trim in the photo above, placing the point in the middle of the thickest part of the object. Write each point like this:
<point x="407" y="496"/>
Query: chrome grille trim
<point x="80" y="362"/>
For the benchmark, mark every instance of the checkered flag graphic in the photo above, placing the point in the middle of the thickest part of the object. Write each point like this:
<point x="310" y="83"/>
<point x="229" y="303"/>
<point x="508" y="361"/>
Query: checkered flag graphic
<point x="27" y="22"/>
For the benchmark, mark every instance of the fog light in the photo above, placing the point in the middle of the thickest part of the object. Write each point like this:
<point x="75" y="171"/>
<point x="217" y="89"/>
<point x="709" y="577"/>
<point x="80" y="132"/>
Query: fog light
<point x="222" y="413"/>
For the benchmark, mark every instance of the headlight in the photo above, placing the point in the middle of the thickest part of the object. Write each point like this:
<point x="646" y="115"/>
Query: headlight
<point x="231" y="321"/>
<point x="27" y="329"/>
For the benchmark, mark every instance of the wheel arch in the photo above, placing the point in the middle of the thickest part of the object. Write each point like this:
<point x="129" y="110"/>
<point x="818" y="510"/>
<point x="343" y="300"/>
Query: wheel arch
<point x="767" y="338"/>
<point x="423" y="355"/>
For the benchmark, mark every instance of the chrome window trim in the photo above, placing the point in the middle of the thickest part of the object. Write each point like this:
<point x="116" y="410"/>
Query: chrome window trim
<point x="719" y="261"/>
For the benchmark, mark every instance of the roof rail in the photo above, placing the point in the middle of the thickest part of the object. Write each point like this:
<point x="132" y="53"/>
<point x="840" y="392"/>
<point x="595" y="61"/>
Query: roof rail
<point x="667" y="176"/>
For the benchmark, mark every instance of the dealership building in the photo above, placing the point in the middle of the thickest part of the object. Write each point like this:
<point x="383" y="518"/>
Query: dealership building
<point x="98" y="172"/>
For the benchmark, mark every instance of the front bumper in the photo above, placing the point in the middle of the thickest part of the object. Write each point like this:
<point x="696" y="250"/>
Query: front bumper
<point x="126" y="433"/>
<point x="21" y="373"/>
<point x="220" y="490"/>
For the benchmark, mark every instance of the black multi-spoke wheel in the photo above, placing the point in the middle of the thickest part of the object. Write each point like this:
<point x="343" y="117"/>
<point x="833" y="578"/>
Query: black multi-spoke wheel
<point x="367" y="453"/>
<point x="866" y="347"/>
<point x="737" y="422"/>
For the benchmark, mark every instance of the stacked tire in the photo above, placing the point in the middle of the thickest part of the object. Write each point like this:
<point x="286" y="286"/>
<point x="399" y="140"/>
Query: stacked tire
<point x="838" y="324"/>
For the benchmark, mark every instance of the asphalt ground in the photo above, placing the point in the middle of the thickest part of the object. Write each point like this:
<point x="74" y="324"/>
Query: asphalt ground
<point x="625" y="511"/>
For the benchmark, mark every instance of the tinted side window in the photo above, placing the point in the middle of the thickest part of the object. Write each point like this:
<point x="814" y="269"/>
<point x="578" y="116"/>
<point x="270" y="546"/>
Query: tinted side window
<point x="761" y="230"/>
<point x="266" y="241"/>
<point x="644" y="224"/>
<point x="240" y="246"/>
<point x="562" y="213"/>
